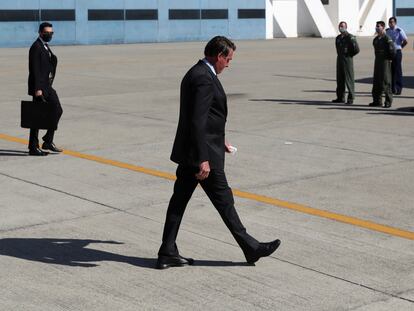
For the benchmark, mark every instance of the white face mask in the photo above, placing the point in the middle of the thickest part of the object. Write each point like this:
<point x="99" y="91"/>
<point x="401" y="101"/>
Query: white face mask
<point x="342" y="29"/>
<point x="377" y="29"/>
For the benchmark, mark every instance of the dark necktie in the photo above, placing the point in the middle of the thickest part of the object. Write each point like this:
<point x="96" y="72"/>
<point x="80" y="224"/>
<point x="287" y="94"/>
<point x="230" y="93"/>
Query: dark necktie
<point x="48" y="49"/>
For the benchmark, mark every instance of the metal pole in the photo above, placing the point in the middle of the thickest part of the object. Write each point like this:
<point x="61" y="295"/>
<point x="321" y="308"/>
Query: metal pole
<point x="394" y="9"/>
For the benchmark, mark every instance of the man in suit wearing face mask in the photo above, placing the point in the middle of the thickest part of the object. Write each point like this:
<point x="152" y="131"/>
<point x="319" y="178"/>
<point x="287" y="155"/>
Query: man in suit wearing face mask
<point x="42" y="70"/>
<point x="199" y="149"/>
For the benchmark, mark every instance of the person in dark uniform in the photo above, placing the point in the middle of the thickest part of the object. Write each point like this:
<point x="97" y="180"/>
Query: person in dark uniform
<point x="42" y="70"/>
<point x="199" y="150"/>
<point x="346" y="48"/>
<point x="399" y="37"/>
<point x="384" y="53"/>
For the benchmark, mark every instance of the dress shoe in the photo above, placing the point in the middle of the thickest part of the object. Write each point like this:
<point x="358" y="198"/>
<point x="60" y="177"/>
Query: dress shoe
<point x="51" y="147"/>
<point x="265" y="249"/>
<point x="387" y="104"/>
<point x="375" y="104"/>
<point x="397" y="93"/>
<point x="349" y="102"/>
<point x="338" y="100"/>
<point x="165" y="262"/>
<point x="37" y="152"/>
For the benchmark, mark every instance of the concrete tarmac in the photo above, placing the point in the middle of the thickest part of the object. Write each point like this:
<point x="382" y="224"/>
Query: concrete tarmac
<point x="82" y="234"/>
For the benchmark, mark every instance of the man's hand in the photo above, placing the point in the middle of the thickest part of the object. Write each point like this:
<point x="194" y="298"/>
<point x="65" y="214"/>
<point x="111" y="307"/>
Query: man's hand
<point x="38" y="93"/>
<point x="204" y="171"/>
<point x="227" y="146"/>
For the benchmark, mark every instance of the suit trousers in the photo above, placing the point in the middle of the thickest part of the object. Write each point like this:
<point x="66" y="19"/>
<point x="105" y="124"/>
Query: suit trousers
<point x="52" y="99"/>
<point x="219" y="193"/>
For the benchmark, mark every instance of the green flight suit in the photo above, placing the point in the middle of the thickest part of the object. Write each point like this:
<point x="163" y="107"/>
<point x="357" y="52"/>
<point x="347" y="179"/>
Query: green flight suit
<point x="346" y="48"/>
<point x="384" y="52"/>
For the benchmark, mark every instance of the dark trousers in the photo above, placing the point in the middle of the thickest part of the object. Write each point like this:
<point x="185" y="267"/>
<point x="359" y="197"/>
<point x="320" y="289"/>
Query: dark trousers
<point x="219" y="193"/>
<point x="382" y="81"/>
<point x="52" y="99"/>
<point x="345" y="78"/>
<point x="396" y="67"/>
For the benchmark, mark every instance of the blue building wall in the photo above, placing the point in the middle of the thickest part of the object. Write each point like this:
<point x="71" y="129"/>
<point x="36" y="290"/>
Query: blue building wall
<point x="404" y="11"/>
<point x="131" y="21"/>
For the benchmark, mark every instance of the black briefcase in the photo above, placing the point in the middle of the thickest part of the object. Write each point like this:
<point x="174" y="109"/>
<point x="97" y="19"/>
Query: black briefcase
<point x="36" y="115"/>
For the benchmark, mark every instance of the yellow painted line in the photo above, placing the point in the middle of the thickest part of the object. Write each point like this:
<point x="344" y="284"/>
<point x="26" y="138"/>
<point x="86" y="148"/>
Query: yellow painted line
<point x="328" y="215"/>
<point x="245" y="195"/>
<point x="120" y="164"/>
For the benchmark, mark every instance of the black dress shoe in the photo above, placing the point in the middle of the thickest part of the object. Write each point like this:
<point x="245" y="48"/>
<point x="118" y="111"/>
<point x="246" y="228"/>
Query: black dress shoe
<point x="265" y="249"/>
<point x="51" y="147"/>
<point x="349" y="102"/>
<point x="338" y="100"/>
<point x="37" y="152"/>
<point x="165" y="262"/>
<point x="375" y="104"/>
<point x="387" y="105"/>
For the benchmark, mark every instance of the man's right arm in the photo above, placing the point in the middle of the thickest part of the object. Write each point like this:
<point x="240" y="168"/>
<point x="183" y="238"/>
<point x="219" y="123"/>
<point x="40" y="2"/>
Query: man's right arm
<point x="203" y="97"/>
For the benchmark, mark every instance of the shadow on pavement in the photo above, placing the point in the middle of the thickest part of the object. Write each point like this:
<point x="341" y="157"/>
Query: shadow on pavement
<point x="330" y="91"/>
<point x="304" y="102"/>
<point x="219" y="263"/>
<point x="408" y="81"/>
<point x="403" y="111"/>
<point x="13" y="153"/>
<point x="304" y="77"/>
<point x="358" y="94"/>
<point x="74" y="253"/>
<point x="386" y="111"/>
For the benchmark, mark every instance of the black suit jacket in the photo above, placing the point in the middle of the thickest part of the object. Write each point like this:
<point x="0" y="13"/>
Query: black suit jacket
<point x="201" y="125"/>
<point x="42" y="66"/>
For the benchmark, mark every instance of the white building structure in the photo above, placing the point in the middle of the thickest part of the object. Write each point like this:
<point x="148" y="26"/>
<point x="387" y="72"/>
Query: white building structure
<point x="297" y="18"/>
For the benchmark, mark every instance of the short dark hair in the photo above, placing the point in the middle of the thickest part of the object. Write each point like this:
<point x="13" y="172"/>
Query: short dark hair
<point x="219" y="45"/>
<point x="392" y="18"/>
<point x="343" y="23"/>
<point x="44" y="25"/>
<point x="381" y="23"/>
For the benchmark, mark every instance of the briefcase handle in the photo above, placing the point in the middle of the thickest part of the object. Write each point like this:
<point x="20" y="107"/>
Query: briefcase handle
<point x="39" y="99"/>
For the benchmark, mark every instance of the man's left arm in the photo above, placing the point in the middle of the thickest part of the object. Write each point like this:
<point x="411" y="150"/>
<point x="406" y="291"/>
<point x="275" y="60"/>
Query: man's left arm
<point x="354" y="46"/>
<point x="404" y="38"/>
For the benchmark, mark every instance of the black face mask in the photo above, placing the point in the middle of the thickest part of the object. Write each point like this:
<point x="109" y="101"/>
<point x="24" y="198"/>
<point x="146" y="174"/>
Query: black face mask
<point x="46" y="37"/>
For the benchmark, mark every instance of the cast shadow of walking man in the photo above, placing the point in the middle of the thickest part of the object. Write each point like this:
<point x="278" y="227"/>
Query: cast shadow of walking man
<point x="68" y="252"/>
<point x="75" y="253"/>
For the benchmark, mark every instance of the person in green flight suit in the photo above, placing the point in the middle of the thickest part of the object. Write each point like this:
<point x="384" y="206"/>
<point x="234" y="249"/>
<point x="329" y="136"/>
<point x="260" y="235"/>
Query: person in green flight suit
<point x="384" y="53"/>
<point x="346" y="48"/>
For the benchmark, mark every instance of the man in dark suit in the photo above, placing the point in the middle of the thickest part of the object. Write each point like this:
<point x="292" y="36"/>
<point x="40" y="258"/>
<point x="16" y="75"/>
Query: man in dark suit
<point x="199" y="149"/>
<point x="42" y="70"/>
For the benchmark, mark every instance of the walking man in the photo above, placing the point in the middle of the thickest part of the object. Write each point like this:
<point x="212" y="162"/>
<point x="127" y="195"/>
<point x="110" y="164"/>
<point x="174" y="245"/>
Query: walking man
<point x="346" y="48"/>
<point x="199" y="150"/>
<point x="384" y="53"/>
<point x="399" y="38"/>
<point x="42" y="70"/>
